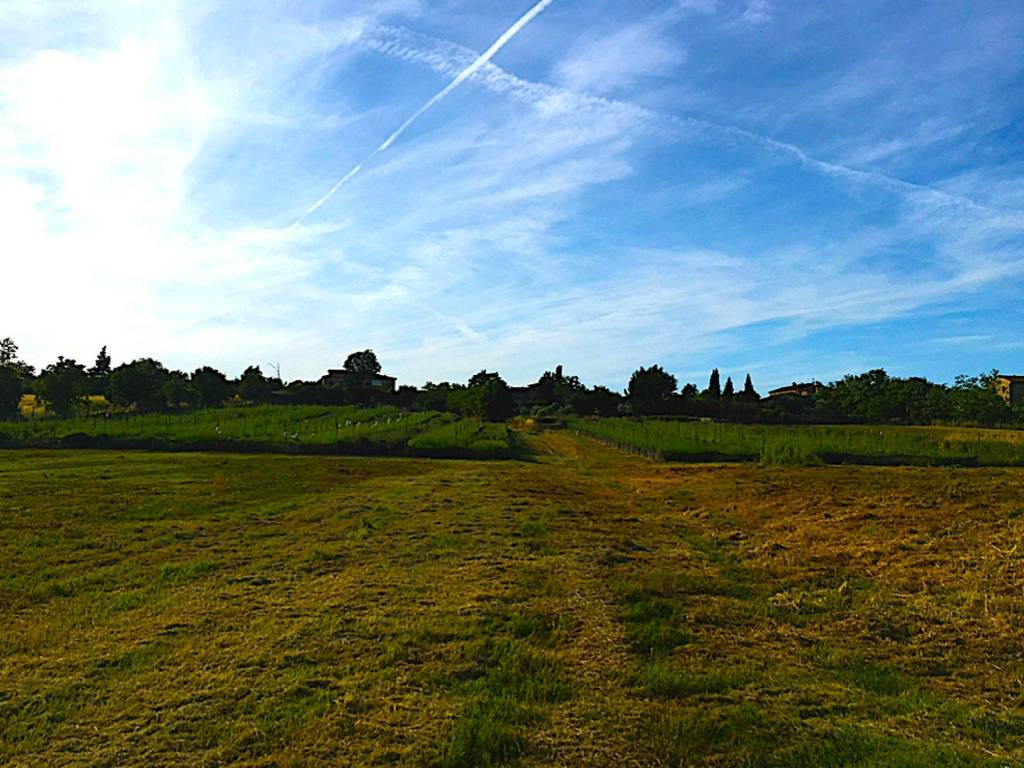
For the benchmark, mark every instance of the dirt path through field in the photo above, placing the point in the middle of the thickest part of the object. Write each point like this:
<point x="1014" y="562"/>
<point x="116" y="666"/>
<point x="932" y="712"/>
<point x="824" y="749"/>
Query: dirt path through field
<point x="598" y="728"/>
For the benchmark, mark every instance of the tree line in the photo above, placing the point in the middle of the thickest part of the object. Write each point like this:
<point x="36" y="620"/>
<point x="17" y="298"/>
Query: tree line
<point x="67" y="387"/>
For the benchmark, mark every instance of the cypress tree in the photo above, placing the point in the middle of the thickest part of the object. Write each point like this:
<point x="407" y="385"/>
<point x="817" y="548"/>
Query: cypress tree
<point x="714" y="390"/>
<point x="749" y="393"/>
<point x="102" y="365"/>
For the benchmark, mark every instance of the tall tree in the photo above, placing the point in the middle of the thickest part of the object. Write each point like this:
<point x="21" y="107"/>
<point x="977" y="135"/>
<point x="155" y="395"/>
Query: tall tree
<point x="177" y="390"/>
<point x="556" y="388"/>
<point x="102" y="365"/>
<point x="434" y="397"/>
<point x="729" y="391"/>
<point x="599" y="401"/>
<point x="63" y="386"/>
<point x="649" y="390"/>
<point x="749" y="393"/>
<point x="9" y="358"/>
<point x="484" y="377"/>
<point x="363" y="362"/>
<point x="253" y="386"/>
<point x="714" y="390"/>
<point x="11" y="389"/>
<point x="99" y="374"/>
<point x="974" y="400"/>
<point x="140" y="384"/>
<point x="487" y="396"/>
<point x="8" y="351"/>
<point x="211" y="386"/>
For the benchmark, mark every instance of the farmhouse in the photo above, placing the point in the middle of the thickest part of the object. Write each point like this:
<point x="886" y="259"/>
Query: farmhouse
<point x="807" y="389"/>
<point x="338" y="377"/>
<point x="1010" y="388"/>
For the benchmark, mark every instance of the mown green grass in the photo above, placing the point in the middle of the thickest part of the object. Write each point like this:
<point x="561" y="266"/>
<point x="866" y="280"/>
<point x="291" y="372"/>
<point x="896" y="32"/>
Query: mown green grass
<point x="589" y="608"/>
<point x="810" y="445"/>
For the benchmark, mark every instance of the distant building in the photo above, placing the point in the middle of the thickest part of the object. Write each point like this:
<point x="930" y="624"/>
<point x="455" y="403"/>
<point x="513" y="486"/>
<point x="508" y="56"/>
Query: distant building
<point x="1010" y="388"/>
<point x="341" y="378"/>
<point x="807" y="389"/>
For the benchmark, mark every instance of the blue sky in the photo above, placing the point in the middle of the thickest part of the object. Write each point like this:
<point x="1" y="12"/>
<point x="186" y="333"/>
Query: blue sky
<point x="797" y="189"/>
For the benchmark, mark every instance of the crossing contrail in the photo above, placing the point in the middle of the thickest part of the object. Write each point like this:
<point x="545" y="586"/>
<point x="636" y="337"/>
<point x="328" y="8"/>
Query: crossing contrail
<point x="464" y="75"/>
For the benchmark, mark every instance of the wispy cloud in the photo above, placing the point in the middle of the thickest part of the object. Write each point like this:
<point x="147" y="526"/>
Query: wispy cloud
<point x="471" y="69"/>
<point x="445" y="57"/>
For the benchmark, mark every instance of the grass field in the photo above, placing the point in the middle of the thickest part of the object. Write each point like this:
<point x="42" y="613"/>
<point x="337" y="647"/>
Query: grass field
<point x="297" y="429"/>
<point x="690" y="440"/>
<point x="589" y="608"/>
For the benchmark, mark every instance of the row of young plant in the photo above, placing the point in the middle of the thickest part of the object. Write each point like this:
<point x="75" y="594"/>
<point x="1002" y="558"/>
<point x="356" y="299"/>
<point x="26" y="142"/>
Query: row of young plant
<point x="469" y="437"/>
<point x="703" y="440"/>
<point x="299" y="429"/>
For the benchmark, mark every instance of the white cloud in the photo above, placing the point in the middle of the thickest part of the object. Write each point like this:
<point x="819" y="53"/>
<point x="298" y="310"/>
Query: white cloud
<point x="757" y="13"/>
<point x="616" y="61"/>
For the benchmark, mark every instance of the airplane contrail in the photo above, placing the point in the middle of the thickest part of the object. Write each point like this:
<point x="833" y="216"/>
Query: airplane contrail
<point x="464" y="75"/>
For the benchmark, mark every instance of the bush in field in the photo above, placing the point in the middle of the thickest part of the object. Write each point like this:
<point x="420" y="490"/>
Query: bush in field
<point x="63" y="386"/>
<point x="10" y="392"/>
<point x="211" y="387"/>
<point x="141" y="384"/>
<point x="651" y="389"/>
